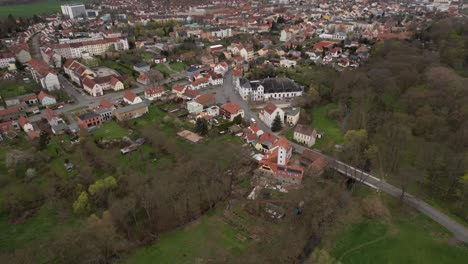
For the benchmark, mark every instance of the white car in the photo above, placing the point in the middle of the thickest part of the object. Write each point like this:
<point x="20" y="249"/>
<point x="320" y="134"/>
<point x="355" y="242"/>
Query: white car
<point x="60" y="106"/>
<point x="252" y="120"/>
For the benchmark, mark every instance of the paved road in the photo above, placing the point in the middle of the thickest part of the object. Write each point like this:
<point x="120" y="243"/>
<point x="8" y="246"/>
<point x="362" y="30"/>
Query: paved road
<point x="458" y="230"/>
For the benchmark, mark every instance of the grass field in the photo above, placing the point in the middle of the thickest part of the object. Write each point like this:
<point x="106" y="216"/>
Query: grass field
<point x="41" y="226"/>
<point x="163" y="69"/>
<point x="12" y="89"/>
<point x="178" y="66"/>
<point x="110" y="130"/>
<point x="38" y="7"/>
<point x="322" y="123"/>
<point x="205" y="240"/>
<point x="405" y="237"/>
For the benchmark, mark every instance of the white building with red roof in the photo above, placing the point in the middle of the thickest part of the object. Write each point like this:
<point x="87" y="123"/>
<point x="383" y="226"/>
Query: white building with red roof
<point x="231" y="110"/>
<point x="44" y="75"/>
<point x="154" y="93"/>
<point x="46" y="99"/>
<point x="131" y="98"/>
<point x="269" y="113"/>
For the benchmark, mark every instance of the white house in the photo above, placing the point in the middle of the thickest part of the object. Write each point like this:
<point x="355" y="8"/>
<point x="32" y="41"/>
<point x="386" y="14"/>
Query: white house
<point x="154" y="93"/>
<point x="131" y="98"/>
<point x="288" y="63"/>
<point x="305" y="135"/>
<point x="216" y="79"/>
<point x="46" y="99"/>
<point x="91" y="87"/>
<point x="270" y="112"/>
<point x="269" y="88"/>
<point x="194" y="107"/>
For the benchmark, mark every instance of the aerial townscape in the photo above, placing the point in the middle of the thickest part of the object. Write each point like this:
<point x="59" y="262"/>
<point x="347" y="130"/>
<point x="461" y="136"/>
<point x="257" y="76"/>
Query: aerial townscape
<point x="234" y="131"/>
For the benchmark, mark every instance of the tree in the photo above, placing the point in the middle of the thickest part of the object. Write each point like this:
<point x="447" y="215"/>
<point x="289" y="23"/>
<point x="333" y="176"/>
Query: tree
<point x="43" y="140"/>
<point x="355" y="146"/>
<point x="81" y="205"/>
<point x="201" y="126"/>
<point x="237" y="119"/>
<point x="277" y="124"/>
<point x="107" y="183"/>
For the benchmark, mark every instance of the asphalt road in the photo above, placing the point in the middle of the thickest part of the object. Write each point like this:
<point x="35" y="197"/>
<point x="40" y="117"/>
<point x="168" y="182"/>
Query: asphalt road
<point x="459" y="231"/>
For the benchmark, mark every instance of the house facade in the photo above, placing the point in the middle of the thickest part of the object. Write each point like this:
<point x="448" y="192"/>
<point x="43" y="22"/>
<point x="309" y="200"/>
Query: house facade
<point x="231" y="110"/>
<point x="269" y="88"/>
<point x="131" y="111"/>
<point x="269" y="113"/>
<point x="305" y="135"/>
<point x="89" y="120"/>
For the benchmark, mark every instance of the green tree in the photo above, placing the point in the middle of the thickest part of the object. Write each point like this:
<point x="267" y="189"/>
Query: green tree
<point x="277" y="124"/>
<point x="102" y="185"/>
<point x="81" y="205"/>
<point x="201" y="127"/>
<point x="237" y="119"/>
<point x="43" y="140"/>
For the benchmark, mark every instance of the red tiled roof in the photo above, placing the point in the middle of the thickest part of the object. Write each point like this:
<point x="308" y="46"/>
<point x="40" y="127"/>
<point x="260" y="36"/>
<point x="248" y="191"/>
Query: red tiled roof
<point x="105" y="103"/>
<point x="9" y="110"/>
<point x="154" y="90"/>
<point x="206" y="99"/>
<point x="269" y="108"/>
<point x="231" y="107"/>
<point x="129" y="95"/>
<point x="23" y="121"/>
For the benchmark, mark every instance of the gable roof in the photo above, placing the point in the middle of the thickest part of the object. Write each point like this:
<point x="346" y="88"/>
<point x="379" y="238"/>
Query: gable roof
<point x="269" y="108"/>
<point x="129" y="95"/>
<point x="43" y="95"/>
<point x="231" y="107"/>
<point x="304" y="130"/>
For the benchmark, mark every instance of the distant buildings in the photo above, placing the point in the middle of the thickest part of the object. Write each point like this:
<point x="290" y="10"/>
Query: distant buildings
<point x="269" y="88"/>
<point x="74" y="11"/>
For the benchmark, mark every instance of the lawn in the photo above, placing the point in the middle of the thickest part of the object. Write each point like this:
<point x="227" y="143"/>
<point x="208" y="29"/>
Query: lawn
<point x="330" y="128"/>
<point x="178" y="66"/>
<point x="163" y="69"/>
<point x="40" y="226"/>
<point x="12" y="88"/>
<point x="37" y="7"/>
<point x="110" y="130"/>
<point x="407" y="237"/>
<point x="205" y="240"/>
<point x="121" y="68"/>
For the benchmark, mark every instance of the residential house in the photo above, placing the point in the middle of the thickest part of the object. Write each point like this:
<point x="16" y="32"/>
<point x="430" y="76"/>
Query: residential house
<point x="57" y="124"/>
<point x="10" y="113"/>
<point x="178" y="89"/>
<point x="105" y="113"/>
<point x="77" y="71"/>
<point x="159" y="59"/>
<point x="91" y="87"/>
<point x="305" y="135"/>
<point x="231" y="110"/>
<point x="265" y="142"/>
<point x="130" y="97"/>
<point x="46" y="99"/>
<point x="44" y="75"/>
<point x="269" y="113"/>
<point x="21" y="53"/>
<point x="143" y="78"/>
<point x="89" y="120"/>
<point x="154" y="93"/>
<point x="292" y="116"/>
<point x="284" y="174"/>
<point x="6" y="59"/>
<point x="194" y="107"/>
<point x="288" y="63"/>
<point x="206" y="99"/>
<point x="216" y="79"/>
<point x="252" y="133"/>
<point x="25" y="124"/>
<point x="200" y="83"/>
<point x="131" y="111"/>
<point x="9" y="126"/>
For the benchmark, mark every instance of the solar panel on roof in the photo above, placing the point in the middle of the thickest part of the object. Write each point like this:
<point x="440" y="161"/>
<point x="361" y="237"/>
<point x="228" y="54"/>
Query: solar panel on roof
<point x="294" y="171"/>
